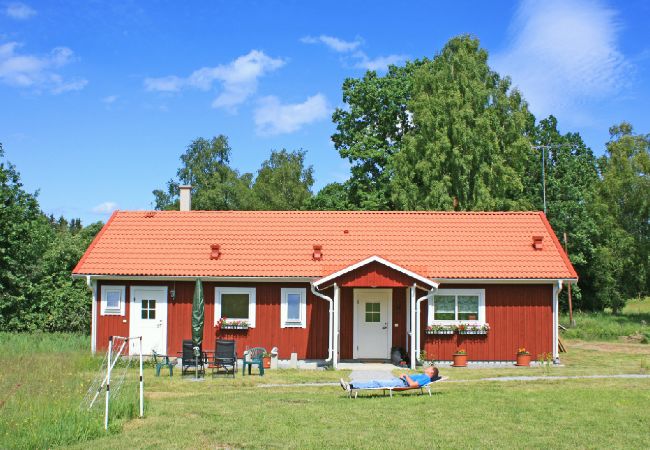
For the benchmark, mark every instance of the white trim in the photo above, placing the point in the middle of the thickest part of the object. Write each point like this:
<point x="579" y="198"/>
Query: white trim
<point x="193" y="278"/>
<point x="413" y="327"/>
<point x="235" y="290"/>
<point x="556" y="294"/>
<point x="379" y="260"/>
<point x="93" y="324"/>
<point x="337" y="319"/>
<point x="120" y="311"/>
<point x="284" y="321"/>
<point x="356" y="318"/>
<point x="456" y="292"/>
<point x="504" y="280"/>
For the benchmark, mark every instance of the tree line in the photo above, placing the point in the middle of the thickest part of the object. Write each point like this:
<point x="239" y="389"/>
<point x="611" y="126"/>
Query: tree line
<point x="445" y="133"/>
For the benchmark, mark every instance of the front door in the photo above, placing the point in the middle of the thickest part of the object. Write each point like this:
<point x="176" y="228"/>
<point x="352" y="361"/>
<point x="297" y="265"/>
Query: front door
<point x="372" y="318"/>
<point x="149" y="319"/>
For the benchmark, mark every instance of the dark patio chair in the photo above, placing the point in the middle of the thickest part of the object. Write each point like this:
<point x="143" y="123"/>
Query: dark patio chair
<point x="189" y="359"/>
<point x="225" y="358"/>
<point x="252" y="357"/>
<point x="161" y="361"/>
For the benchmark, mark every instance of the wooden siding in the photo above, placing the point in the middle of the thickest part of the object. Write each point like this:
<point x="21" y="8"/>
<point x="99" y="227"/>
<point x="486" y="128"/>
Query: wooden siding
<point x="519" y="316"/>
<point x="308" y="343"/>
<point x="374" y="275"/>
<point x="108" y="326"/>
<point x="400" y="307"/>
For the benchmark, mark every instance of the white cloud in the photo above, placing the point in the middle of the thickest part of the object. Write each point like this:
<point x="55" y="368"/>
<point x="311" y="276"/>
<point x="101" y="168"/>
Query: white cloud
<point x="380" y="63"/>
<point x="563" y="53"/>
<point x="37" y="72"/>
<point x="334" y="43"/>
<point x="239" y="79"/>
<point x="105" y="208"/>
<point x="110" y="99"/>
<point x="272" y="117"/>
<point x="19" y="11"/>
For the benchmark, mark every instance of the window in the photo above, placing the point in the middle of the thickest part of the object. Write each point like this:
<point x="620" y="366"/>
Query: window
<point x="235" y="304"/>
<point x="457" y="305"/>
<point x="112" y="300"/>
<point x="293" y="308"/>
<point x="148" y="309"/>
<point x="373" y="312"/>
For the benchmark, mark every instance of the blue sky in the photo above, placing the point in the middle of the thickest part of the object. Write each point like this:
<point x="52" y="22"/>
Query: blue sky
<point x="99" y="99"/>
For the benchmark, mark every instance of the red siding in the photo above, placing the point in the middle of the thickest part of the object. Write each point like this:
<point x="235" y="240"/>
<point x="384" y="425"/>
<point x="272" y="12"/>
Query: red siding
<point x="519" y="316"/>
<point x="374" y="275"/>
<point x="309" y="343"/>
<point x="399" y="317"/>
<point x="346" y="323"/>
<point x="108" y="326"/>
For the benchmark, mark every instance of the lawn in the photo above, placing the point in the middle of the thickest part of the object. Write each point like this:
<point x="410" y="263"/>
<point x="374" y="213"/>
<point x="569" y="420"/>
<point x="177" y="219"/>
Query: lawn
<point x="52" y="372"/>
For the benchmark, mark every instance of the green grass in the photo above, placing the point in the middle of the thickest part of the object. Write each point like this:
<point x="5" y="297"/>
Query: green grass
<point x="43" y="412"/>
<point x="605" y="326"/>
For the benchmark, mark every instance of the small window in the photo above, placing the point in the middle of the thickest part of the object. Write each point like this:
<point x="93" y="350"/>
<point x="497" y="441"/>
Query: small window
<point x="112" y="300"/>
<point x="237" y="304"/>
<point x="373" y="312"/>
<point x="148" y="309"/>
<point x="457" y="305"/>
<point x="293" y="308"/>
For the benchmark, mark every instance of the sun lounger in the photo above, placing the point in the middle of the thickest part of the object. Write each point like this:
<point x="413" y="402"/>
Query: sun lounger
<point x="352" y="393"/>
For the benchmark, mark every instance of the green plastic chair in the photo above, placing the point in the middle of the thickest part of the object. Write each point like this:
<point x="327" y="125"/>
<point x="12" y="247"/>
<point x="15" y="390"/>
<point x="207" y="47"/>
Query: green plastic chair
<point x="162" y="361"/>
<point x="252" y="357"/>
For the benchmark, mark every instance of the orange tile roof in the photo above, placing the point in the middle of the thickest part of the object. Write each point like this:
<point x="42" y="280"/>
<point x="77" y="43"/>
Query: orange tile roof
<point x="437" y="245"/>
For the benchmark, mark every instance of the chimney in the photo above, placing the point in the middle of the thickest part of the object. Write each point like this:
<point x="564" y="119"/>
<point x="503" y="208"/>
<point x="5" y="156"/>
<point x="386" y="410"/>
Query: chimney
<point x="538" y="242"/>
<point x="318" y="252"/>
<point x="186" y="197"/>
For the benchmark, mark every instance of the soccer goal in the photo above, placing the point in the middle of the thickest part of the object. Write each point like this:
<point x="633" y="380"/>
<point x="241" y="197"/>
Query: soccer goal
<point x="115" y="370"/>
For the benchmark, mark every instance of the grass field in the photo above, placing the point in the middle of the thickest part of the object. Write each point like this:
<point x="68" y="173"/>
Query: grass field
<point x="45" y="376"/>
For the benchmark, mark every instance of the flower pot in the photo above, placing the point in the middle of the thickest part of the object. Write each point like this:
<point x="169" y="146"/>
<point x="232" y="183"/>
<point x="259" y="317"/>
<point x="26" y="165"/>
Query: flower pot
<point x="523" y="359"/>
<point x="460" y="360"/>
<point x="267" y="362"/>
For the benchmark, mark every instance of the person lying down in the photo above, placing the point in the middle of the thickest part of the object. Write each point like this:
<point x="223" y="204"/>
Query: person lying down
<point x="403" y="381"/>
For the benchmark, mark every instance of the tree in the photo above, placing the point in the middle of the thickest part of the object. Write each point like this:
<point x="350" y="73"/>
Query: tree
<point x="332" y="197"/>
<point x="625" y="195"/>
<point x="469" y="147"/>
<point x="215" y="185"/>
<point x="370" y="131"/>
<point x="283" y="182"/>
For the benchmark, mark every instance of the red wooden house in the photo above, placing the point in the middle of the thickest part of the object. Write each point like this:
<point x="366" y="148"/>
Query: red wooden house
<point x="332" y="285"/>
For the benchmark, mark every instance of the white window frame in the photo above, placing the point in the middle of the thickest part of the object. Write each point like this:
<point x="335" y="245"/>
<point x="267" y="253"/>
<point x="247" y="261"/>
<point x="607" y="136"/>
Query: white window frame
<point x="284" y="308"/>
<point x="456" y="292"/>
<point x="119" y="311"/>
<point x="219" y="291"/>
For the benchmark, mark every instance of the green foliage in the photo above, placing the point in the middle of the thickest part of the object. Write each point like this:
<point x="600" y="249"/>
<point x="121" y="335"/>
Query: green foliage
<point x="37" y="255"/>
<point x="468" y="149"/>
<point x="605" y="326"/>
<point x="283" y="183"/>
<point x="215" y="185"/>
<point x="332" y="197"/>
<point x="370" y="130"/>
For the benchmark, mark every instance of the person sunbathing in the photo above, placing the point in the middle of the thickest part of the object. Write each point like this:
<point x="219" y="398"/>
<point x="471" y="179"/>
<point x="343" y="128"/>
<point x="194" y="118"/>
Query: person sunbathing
<point x="403" y="381"/>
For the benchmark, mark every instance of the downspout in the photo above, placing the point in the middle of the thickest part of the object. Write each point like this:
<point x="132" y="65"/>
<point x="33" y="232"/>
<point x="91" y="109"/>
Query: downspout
<point x="418" y="321"/>
<point x="92" y="284"/>
<point x="556" y="306"/>
<point x="330" y="347"/>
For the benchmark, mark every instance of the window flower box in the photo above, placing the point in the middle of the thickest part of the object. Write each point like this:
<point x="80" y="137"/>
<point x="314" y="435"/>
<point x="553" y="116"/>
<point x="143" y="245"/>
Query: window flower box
<point x="472" y="329"/>
<point x="225" y="324"/>
<point x="439" y="329"/>
<point x="232" y="326"/>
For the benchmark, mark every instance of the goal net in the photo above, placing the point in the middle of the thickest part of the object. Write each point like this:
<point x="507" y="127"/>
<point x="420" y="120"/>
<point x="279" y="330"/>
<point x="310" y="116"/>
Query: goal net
<point x="117" y="376"/>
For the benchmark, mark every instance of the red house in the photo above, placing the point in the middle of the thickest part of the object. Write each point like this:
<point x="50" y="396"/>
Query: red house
<point x="332" y="285"/>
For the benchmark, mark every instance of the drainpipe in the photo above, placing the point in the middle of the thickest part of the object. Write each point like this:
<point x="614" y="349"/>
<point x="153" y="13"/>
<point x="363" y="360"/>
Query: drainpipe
<point x="330" y="347"/>
<point x="92" y="284"/>
<point x="413" y="319"/>
<point x="335" y="334"/>
<point x="556" y="294"/>
<point x="418" y="334"/>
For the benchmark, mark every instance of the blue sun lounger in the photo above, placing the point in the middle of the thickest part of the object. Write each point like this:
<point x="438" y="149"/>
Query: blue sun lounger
<point x="352" y="393"/>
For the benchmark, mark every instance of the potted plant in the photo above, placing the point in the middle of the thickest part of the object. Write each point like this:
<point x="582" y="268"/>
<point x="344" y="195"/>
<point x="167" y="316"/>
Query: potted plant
<point x="225" y="324"/>
<point x="472" y="328"/>
<point x="266" y="360"/>
<point x="460" y="358"/>
<point x="439" y="329"/>
<point x="523" y="357"/>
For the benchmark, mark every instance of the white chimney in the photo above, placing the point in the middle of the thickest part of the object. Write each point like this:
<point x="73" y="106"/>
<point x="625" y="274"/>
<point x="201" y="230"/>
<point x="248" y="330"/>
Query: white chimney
<point x="186" y="197"/>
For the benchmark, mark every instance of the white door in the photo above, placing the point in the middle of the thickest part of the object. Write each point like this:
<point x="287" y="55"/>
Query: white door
<point x="372" y="318"/>
<point x="149" y="319"/>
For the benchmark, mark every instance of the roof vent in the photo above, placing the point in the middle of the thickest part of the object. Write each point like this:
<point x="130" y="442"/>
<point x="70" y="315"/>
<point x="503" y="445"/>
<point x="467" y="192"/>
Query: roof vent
<point x="318" y="252"/>
<point x="538" y="242"/>
<point x="216" y="251"/>
<point x="149" y="214"/>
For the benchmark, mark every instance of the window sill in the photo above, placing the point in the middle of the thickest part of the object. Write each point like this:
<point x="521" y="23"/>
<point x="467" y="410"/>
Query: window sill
<point x="293" y="325"/>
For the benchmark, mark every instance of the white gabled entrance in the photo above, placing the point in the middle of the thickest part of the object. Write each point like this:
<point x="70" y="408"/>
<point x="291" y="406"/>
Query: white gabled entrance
<point x="372" y="336"/>
<point x="148" y="318"/>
